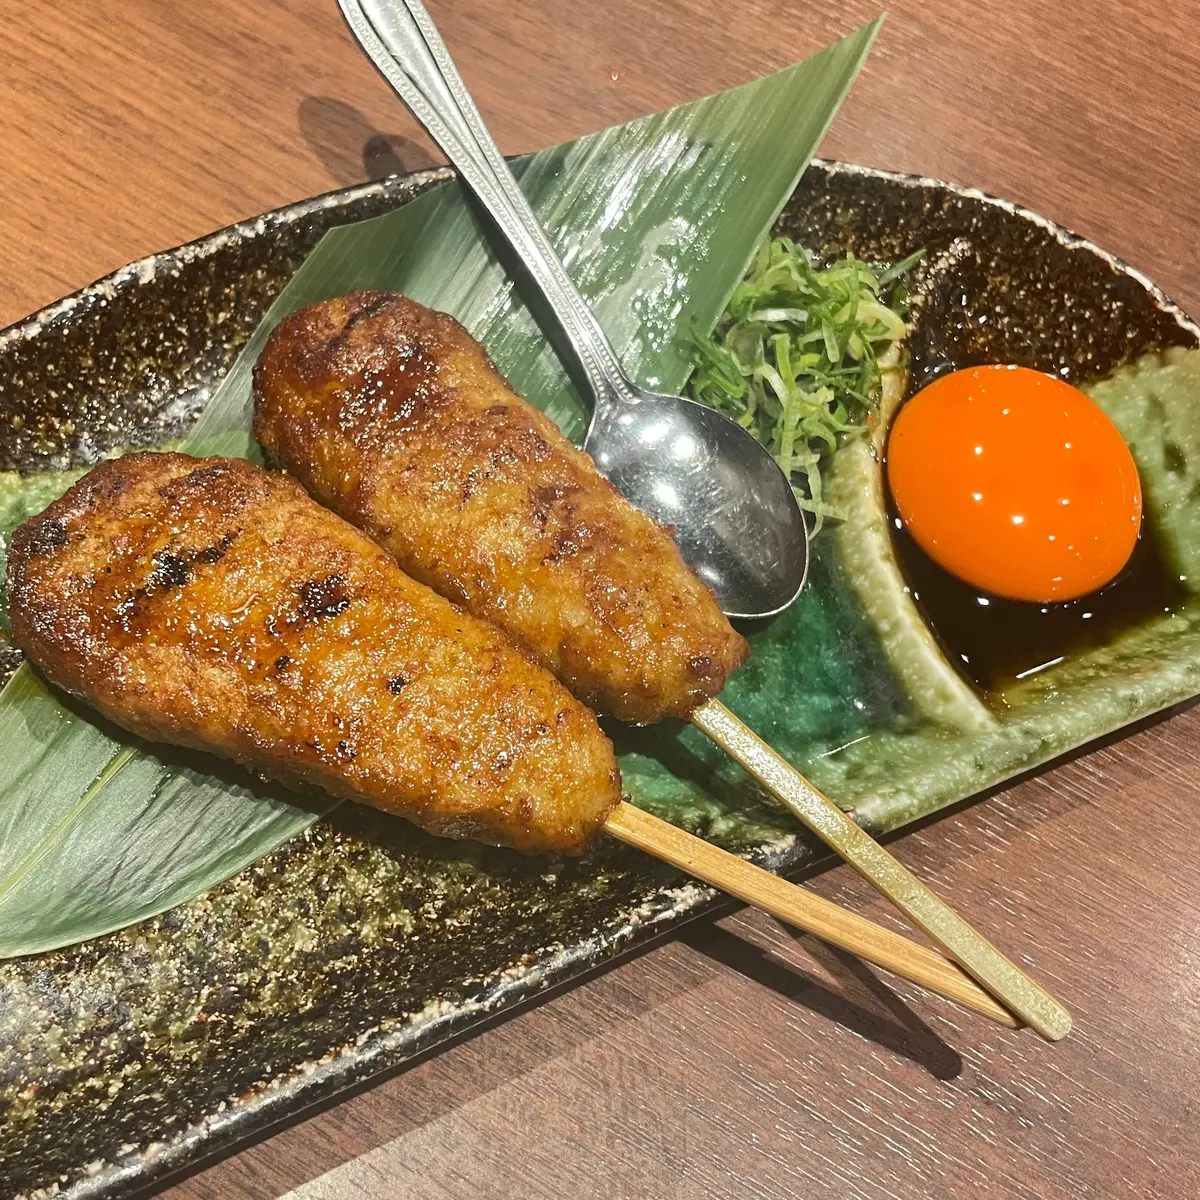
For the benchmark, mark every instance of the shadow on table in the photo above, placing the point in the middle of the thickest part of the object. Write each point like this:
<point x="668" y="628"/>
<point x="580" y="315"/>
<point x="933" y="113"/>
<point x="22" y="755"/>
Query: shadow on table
<point x="352" y="149"/>
<point x="863" y="1003"/>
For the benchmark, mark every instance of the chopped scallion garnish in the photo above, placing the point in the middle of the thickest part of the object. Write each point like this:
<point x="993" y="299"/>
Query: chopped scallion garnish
<point x="794" y="357"/>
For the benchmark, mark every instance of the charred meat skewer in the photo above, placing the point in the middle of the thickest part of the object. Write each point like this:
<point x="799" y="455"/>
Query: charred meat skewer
<point x="396" y="418"/>
<point x="211" y="604"/>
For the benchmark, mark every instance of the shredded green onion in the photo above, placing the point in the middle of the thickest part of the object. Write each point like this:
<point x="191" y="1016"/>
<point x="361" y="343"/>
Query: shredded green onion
<point x="794" y="357"/>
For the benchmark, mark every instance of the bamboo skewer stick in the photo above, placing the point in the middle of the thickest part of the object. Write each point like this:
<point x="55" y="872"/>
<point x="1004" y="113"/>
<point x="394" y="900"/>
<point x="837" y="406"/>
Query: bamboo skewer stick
<point x="803" y="909"/>
<point x="974" y="953"/>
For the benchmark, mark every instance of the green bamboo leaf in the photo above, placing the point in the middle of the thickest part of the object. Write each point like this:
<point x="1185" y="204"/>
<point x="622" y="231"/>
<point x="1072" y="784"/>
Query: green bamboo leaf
<point x="656" y="221"/>
<point x="93" y="840"/>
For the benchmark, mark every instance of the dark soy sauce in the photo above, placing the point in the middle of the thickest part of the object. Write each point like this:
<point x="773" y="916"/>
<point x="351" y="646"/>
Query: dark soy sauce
<point x="996" y="642"/>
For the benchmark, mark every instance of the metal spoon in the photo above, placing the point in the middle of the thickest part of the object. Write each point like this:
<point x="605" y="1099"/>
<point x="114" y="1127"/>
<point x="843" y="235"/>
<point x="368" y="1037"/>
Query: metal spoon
<point x="735" y="516"/>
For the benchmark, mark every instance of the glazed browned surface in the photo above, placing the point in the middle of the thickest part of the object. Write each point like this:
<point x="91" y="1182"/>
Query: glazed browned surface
<point x="394" y="416"/>
<point x="210" y="604"/>
<point x="734" y="1061"/>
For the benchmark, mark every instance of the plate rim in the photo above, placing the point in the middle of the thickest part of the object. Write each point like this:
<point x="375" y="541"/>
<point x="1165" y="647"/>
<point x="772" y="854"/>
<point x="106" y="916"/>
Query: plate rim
<point x="144" y="269"/>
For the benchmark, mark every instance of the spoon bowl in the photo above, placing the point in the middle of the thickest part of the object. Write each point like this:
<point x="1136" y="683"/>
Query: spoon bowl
<point x="733" y="512"/>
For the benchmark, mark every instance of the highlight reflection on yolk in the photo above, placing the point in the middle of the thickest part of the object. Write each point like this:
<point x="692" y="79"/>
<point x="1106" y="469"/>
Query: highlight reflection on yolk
<point x="1015" y="482"/>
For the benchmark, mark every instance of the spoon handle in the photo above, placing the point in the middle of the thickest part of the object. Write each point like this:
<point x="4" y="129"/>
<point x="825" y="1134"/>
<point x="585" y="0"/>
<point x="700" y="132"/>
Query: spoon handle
<point x="402" y="41"/>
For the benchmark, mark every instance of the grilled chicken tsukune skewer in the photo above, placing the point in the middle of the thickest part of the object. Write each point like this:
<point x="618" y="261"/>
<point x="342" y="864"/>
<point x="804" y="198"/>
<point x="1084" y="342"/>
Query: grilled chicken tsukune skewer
<point x="209" y="604"/>
<point x="395" y="417"/>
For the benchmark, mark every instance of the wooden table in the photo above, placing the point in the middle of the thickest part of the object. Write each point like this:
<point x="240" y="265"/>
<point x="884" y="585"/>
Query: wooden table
<point x="735" y="1060"/>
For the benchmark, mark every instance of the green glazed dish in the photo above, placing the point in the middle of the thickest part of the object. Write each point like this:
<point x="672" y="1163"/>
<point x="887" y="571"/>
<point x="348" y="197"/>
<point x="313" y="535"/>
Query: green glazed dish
<point x="362" y="942"/>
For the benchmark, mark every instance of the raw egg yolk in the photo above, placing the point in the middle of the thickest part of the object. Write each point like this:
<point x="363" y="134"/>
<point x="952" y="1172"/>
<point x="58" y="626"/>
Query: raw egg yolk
<point x="1015" y="482"/>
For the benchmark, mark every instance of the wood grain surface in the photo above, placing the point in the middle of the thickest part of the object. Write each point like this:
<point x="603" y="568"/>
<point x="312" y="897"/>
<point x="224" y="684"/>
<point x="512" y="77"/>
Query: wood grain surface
<point x="736" y="1060"/>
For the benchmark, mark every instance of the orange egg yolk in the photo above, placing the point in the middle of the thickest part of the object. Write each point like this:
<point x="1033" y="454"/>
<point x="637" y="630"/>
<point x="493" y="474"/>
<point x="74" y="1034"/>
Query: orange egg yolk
<point x="1015" y="482"/>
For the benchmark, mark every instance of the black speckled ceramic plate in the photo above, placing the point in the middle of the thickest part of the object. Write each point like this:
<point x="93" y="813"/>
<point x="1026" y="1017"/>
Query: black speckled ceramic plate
<point x="362" y="942"/>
